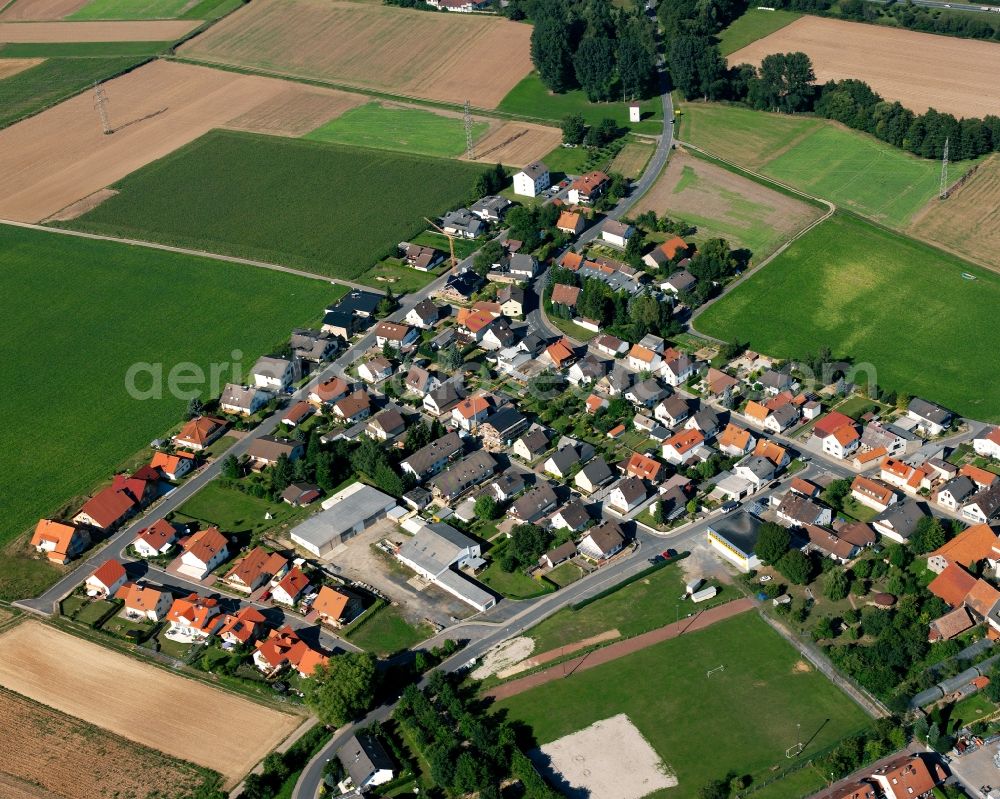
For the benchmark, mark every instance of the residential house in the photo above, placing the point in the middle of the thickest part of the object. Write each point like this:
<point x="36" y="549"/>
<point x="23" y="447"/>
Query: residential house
<point x="955" y="493"/>
<point x="983" y="506"/>
<point x="145" y="603"/>
<point x="462" y="223"/>
<point x="899" y="521"/>
<point x="442" y="399"/>
<point x="987" y="445"/>
<point x="423" y="315"/>
<point x="354" y="407"/>
<point x="558" y="354"/>
<point x="664" y="253"/>
<point x="872" y="493"/>
<point x="953" y="623"/>
<point x="470" y="471"/>
<point x="360" y="303"/>
<point x="894" y="440"/>
<point x="647" y="393"/>
<point x="587" y="370"/>
<point x="561" y="462"/>
<point x="607" y="344"/>
<point x="677" y="367"/>
<point x="570" y="222"/>
<point x="203" y="551"/>
<point x="297" y="413"/>
<point x="199" y="433"/>
<point x="930" y="417"/>
<point x="490" y="208"/>
<point x="243" y="400"/>
<point x="432" y="458"/>
<point x="419" y="257"/>
<point x="267" y="450"/>
<point x="282" y="649"/>
<point x="775" y="453"/>
<point x="497" y="335"/>
<point x="340" y="324"/>
<point x="756" y="469"/>
<point x="193" y="618"/>
<point x="461" y="286"/>
<point x="563" y="294"/>
<point x="645" y="468"/>
<point x="672" y="411"/>
<point x="952" y="585"/>
<point x="257" y="568"/>
<point x="520" y="266"/>
<point x="735" y="441"/>
<point x="907" y="777"/>
<point x="532" y="180"/>
<point x="560" y="554"/>
<point x="643" y="359"/>
<point x="842" y="442"/>
<point x="314" y="346"/>
<point x="628" y="494"/>
<point x="242" y="627"/>
<point x="329" y="391"/>
<point x="616" y="233"/>
<point x="829" y="543"/>
<point x="735" y="537"/>
<point x="298" y="495"/>
<point x="386" y="425"/>
<point x="275" y="374"/>
<point x="507" y="486"/>
<point x="971" y="546"/>
<point x="774" y="382"/>
<point x="616" y="382"/>
<point x="534" y="504"/>
<point x="717" y="383"/>
<point x="173" y="466"/>
<point x="511" y="299"/>
<point x="859" y="534"/>
<point x="106" y="579"/>
<point x="502" y="428"/>
<point x="602" y="541"/>
<point x="420" y="382"/>
<point x="683" y="446"/>
<point x="981" y="477"/>
<point x="156" y="540"/>
<point x="471" y="412"/>
<point x="363" y="758"/>
<point x="679" y="283"/>
<point x="911" y="479"/>
<point x="588" y="188"/>
<point x="395" y="335"/>
<point x="334" y="607"/>
<point x="375" y="370"/>
<point x="107" y="509"/>
<point x="595" y="403"/>
<point x="572" y="516"/>
<point x="804" y="487"/>
<point x="291" y="588"/>
<point x="800" y="511"/>
<point x="531" y="445"/>
<point x="705" y="420"/>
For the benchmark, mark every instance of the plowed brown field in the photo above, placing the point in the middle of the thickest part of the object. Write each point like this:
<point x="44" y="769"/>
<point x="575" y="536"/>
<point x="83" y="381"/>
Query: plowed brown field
<point x="517" y="144"/>
<point x="11" y="66"/>
<point x="60" y="156"/>
<point x="23" y="10"/>
<point x="296" y="111"/>
<point x="161" y="30"/>
<point x="920" y="70"/>
<point x="449" y="57"/>
<point x="190" y="720"/>
<point x="48" y="754"/>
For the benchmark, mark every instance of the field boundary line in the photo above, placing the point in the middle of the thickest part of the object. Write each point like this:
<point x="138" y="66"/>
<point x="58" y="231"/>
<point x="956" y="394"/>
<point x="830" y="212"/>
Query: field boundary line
<point x="193" y="252"/>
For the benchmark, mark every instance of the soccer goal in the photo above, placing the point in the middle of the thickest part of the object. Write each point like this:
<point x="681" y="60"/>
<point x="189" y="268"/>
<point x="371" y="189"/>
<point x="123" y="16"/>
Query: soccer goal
<point x="794" y="751"/>
<point x="716" y="670"/>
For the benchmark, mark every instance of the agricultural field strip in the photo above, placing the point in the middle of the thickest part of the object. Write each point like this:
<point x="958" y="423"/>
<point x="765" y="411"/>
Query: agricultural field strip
<point x="139" y="701"/>
<point x="121" y="31"/>
<point x="60" y="156"/>
<point x="38" y="10"/>
<point x="921" y="70"/>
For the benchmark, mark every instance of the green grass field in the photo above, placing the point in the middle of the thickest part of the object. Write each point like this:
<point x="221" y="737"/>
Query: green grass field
<point x="323" y="207"/>
<point x="78" y="314"/>
<point x="530" y="98"/>
<point x="879" y="298"/>
<point x="513" y="585"/>
<point x="753" y="25"/>
<point x="407" y="130"/>
<point x="154" y="9"/>
<point x="80" y="49"/>
<point x="388" y="632"/>
<point x="53" y="81"/>
<point x="393" y="273"/>
<point x="741" y="719"/>
<point x="236" y="512"/>
<point x="849" y="168"/>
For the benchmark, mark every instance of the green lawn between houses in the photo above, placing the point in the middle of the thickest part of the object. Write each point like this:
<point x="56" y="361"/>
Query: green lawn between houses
<point x="233" y="511"/>
<point x="407" y="130"/>
<point x="77" y="314"/>
<point x="755" y="24"/>
<point x="742" y="718"/>
<point x="879" y="298"/>
<point x="855" y="171"/>
<point x="387" y="632"/>
<point x="323" y="207"/>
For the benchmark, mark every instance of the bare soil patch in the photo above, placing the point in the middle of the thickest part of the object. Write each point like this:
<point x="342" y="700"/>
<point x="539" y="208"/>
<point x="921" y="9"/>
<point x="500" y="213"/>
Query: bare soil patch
<point x="297" y="110"/>
<point x="80" y="207"/>
<point x="504" y="656"/>
<point x="920" y="70"/>
<point x="554" y="654"/>
<point x="161" y="30"/>
<point x="610" y="759"/>
<point x="517" y="144"/>
<point x="48" y="754"/>
<point x="968" y="222"/>
<point x="11" y="66"/>
<point x="801" y="667"/>
<point x="55" y="158"/>
<point x="449" y="57"/>
<point x="40" y="10"/>
<point x="139" y="701"/>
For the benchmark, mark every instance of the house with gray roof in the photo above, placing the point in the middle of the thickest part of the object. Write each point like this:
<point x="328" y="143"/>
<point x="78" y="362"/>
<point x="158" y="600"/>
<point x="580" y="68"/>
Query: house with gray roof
<point x="463" y="223"/>
<point x="463" y="475"/>
<point x="534" y="504"/>
<point x="243" y="400"/>
<point x="432" y="458"/>
<point x="572" y="516"/>
<point x="594" y="475"/>
<point x="366" y="763"/>
<point x="344" y="515"/>
<point x="929" y="416"/>
<point x="435" y="551"/>
<point x="490" y="208"/>
<point x="314" y="346"/>
<point x="602" y="541"/>
<point x="899" y="521"/>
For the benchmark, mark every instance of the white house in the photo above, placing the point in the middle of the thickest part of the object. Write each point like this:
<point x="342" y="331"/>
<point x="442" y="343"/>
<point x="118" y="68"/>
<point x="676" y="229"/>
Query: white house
<point x="396" y="336"/>
<point x="275" y="374"/>
<point x="203" y="551"/>
<point x="984" y="506"/>
<point x="872" y="493"/>
<point x="365" y="763"/>
<point x="532" y="180"/>
<point x="243" y="400"/>
<point x="375" y="370"/>
<point x="678" y="369"/>
<point x="602" y="541"/>
<point x="930" y="417"/>
<point x="155" y="540"/>
<point x="106" y="579"/>
<point x="628" y="494"/>
<point x="616" y="233"/>
<point x="291" y="588"/>
<point x="842" y="442"/>
<point x="145" y="603"/>
<point x="988" y="445"/>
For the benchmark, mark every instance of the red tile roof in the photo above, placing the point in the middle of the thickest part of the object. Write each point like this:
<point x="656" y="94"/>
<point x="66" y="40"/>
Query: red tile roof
<point x="205" y="544"/>
<point x="952" y="585"/>
<point x="109" y="506"/>
<point x="109" y="573"/>
<point x="830" y="423"/>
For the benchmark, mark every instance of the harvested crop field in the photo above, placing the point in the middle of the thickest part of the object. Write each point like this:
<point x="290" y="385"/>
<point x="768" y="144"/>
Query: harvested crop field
<point x="11" y="66"/>
<point x="24" y="10"/>
<point x="724" y="204"/>
<point x="632" y="159"/>
<point x="60" y="156"/>
<point x="49" y="754"/>
<point x="296" y="110"/>
<point x="448" y="57"/>
<point x="125" y="31"/>
<point x="921" y="70"/>
<point x="139" y="701"/>
<point x="517" y="144"/>
<point x="968" y="222"/>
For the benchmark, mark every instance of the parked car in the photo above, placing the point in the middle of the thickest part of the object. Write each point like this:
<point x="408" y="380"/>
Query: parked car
<point x="730" y="506"/>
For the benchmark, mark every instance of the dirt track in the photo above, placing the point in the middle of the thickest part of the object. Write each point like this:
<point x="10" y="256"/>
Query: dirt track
<point x="920" y="70"/>
<point x="60" y="156"/>
<point x="181" y="717"/>
<point x="619" y="650"/>
<point x="24" y="10"/>
<point x="166" y="30"/>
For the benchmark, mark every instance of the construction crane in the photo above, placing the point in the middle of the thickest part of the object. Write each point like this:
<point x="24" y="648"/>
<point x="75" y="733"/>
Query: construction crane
<point x="451" y="241"/>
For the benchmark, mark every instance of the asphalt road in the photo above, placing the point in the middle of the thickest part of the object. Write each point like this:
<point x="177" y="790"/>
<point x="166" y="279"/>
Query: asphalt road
<point x="950" y="6"/>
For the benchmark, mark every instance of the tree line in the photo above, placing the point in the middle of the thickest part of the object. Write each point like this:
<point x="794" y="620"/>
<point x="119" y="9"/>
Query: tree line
<point x="607" y="52"/>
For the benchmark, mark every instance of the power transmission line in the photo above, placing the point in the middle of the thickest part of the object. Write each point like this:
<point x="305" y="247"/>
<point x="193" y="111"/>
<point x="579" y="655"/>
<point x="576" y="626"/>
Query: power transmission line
<point x="101" y="104"/>
<point x="470" y="150"/>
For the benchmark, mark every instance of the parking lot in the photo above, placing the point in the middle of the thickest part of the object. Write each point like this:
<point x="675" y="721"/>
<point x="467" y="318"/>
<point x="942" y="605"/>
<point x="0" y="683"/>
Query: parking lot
<point x="977" y="770"/>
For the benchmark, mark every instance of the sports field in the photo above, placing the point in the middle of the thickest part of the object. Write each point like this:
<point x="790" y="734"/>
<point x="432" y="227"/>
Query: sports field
<point x="447" y="57"/>
<point x="318" y="206"/>
<point x="724" y="204"/>
<point x="755" y="24"/>
<point x="920" y="70"/>
<point x="879" y="298"/>
<point x="78" y="314"/>
<point x="407" y="130"/>
<point x="820" y="157"/>
<point x="762" y="702"/>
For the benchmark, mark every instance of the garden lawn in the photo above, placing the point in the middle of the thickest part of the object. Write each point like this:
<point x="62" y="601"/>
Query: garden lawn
<point x="753" y="25"/>
<point x="513" y="585"/>
<point x="530" y="98"/>
<point x="323" y="207"/>
<point x="393" y="273"/>
<point x="744" y="716"/>
<point x="77" y="314"/>
<point x="233" y="511"/>
<point x="650" y="602"/>
<point x="407" y="130"/>
<point x="387" y="632"/>
<point x="819" y="157"/>
<point x="55" y="79"/>
<point x="881" y="299"/>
